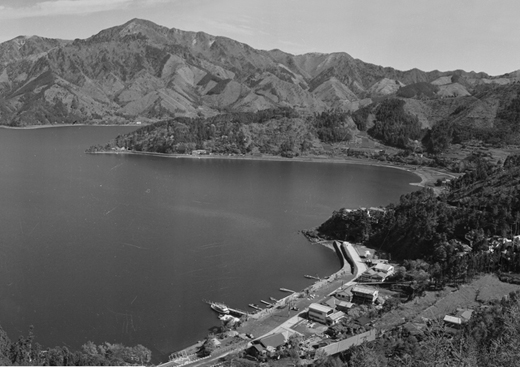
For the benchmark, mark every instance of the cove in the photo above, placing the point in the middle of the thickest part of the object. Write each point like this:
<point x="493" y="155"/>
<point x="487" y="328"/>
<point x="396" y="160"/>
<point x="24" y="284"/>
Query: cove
<point x="123" y="248"/>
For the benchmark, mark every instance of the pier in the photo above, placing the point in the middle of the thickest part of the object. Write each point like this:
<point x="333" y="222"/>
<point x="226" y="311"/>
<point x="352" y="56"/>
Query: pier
<point x="255" y="307"/>
<point x="269" y="304"/>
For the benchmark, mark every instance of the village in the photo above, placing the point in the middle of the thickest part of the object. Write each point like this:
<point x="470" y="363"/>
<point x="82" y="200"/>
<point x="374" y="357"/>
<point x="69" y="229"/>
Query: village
<point x="324" y="319"/>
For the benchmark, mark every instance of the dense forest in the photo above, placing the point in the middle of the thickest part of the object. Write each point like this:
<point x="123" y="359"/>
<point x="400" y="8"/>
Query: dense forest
<point x="280" y="131"/>
<point x="286" y="132"/>
<point x="276" y="132"/>
<point x="393" y="126"/>
<point x="470" y="229"/>
<point x="457" y="232"/>
<point x="26" y="352"/>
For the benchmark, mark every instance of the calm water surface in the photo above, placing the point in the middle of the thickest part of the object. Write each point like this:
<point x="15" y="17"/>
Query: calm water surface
<point x="124" y="248"/>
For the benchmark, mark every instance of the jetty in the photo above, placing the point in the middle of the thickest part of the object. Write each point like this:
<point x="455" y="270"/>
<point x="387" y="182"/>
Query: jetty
<point x="252" y="305"/>
<point x="269" y="304"/>
<point x="232" y="311"/>
<point x="287" y="290"/>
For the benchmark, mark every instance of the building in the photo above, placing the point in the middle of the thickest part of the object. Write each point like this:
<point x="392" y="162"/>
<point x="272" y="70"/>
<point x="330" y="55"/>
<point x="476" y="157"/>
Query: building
<point x="267" y="346"/>
<point x="344" y="306"/>
<point x="199" y="152"/>
<point x="384" y="268"/>
<point x="273" y="340"/>
<point x="372" y="276"/>
<point x="344" y="296"/>
<point x="364" y="294"/>
<point x="452" y="321"/>
<point x="334" y="317"/>
<point x="464" y="314"/>
<point x="319" y="312"/>
<point x="331" y="302"/>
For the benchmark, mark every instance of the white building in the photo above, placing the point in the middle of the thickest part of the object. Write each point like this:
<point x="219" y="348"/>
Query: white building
<point x="319" y="312"/>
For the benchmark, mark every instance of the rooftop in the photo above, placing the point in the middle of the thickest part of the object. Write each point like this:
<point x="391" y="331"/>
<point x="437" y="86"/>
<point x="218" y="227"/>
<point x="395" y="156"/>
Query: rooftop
<point x="319" y="308"/>
<point x="273" y="340"/>
<point x="452" y="319"/>
<point x="363" y="290"/>
<point x="384" y="267"/>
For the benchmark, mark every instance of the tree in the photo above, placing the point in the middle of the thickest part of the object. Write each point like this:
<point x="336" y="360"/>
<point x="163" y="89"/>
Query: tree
<point x="208" y="347"/>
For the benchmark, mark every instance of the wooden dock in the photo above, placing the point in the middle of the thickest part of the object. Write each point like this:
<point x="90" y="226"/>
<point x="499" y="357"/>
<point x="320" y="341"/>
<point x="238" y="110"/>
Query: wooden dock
<point x="269" y="304"/>
<point x="255" y="307"/>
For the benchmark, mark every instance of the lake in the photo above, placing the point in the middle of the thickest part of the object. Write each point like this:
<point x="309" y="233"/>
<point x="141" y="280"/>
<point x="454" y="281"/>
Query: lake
<point x="124" y="248"/>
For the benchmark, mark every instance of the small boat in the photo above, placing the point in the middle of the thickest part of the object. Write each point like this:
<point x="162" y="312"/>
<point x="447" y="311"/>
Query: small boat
<point x="219" y="307"/>
<point x="287" y="290"/>
<point x="273" y="299"/>
<point x="255" y="306"/>
<point x="311" y="277"/>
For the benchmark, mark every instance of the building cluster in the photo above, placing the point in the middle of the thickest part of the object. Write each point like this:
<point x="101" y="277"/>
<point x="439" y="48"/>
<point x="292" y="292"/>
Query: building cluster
<point x="379" y="271"/>
<point x="500" y="243"/>
<point x="334" y="308"/>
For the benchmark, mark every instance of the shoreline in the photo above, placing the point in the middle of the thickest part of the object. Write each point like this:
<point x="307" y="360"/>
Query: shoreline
<point x="275" y="319"/>
<point x="36" y="127"/>
<point x="427" y="175"/>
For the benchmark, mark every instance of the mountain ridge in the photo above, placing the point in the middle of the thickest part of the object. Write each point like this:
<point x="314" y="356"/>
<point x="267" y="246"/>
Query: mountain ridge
<point x="143" y="71"/>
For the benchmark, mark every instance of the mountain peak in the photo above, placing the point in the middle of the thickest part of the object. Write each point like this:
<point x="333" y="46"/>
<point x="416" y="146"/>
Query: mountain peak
<point x="142" y="23"/>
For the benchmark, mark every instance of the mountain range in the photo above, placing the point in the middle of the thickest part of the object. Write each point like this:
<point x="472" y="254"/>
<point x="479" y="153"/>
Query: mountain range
<point x="141" y="71"/>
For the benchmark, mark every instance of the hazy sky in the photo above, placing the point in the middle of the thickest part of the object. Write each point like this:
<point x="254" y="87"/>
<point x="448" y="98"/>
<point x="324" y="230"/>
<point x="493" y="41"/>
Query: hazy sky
<point x="479" y="35"/>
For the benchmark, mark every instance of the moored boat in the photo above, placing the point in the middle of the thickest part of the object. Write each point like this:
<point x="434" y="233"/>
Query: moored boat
<point x="219" y="307"/>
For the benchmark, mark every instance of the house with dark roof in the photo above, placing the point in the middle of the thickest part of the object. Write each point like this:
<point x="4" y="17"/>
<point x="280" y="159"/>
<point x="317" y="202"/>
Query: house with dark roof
<point x="331" y="302"/>
<point x="273" y="340"/>
<point x="267" y="346"/>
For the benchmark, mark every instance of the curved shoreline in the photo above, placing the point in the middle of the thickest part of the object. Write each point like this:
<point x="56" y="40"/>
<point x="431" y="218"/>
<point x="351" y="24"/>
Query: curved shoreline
<point x="428" y="175"/>
<point x="36" y="127"/>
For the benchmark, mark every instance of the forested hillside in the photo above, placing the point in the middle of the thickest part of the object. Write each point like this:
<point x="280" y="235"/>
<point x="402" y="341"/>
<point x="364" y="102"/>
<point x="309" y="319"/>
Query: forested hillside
<point x="275" y="132"/>
<point x="480" y="204"/>
<point x="27" y="352"/>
